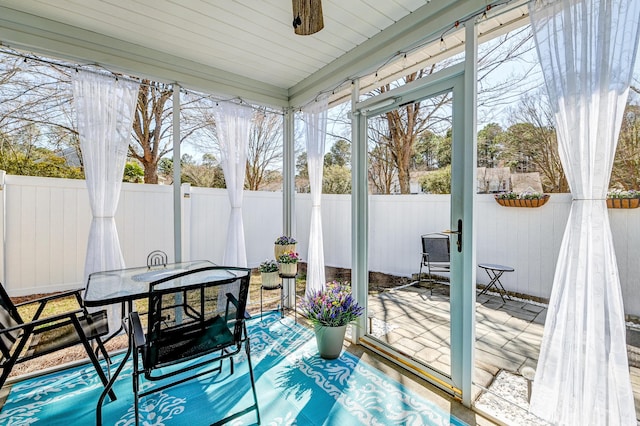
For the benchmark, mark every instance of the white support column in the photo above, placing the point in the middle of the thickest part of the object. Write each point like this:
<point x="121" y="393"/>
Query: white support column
<point x="288" y="195"/>
<point x="177" y="196"/>
<point x="289" y="174"/>
<point x="359" y="211"/>
<point x="468" y="200"/>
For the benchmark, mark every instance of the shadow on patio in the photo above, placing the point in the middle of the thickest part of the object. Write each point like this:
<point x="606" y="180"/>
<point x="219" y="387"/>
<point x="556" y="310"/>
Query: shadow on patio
<point x="415" y="320"/>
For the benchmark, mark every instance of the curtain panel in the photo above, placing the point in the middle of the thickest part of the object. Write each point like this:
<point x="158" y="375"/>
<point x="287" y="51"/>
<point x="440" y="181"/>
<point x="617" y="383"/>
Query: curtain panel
<point x="315" y="118"/>
<point x="587" y="53"/>
<point x="233" y="123"/>
<point x="105" y="108"/>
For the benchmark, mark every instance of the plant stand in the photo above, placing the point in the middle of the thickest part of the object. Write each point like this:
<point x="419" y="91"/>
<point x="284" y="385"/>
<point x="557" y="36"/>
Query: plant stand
<point x="280" y="281"/>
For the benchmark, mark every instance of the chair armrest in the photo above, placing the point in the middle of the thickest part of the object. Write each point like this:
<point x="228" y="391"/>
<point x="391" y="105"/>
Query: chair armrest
<point x="231" y="298"/>
<point x="46" y="299"/>
<point x="139" y="339"/>
<point x="42" y="321"/>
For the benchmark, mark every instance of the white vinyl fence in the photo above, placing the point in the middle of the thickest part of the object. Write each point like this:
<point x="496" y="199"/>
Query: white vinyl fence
<point x="46" y="223"/>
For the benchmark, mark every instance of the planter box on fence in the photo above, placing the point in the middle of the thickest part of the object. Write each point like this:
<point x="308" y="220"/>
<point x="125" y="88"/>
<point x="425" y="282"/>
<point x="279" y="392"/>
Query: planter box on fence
<point x="522" y="202"/>
<point x="623" y="203"/>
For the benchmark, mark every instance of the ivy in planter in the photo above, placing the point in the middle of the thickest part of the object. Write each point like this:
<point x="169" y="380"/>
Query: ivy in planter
<point x="523" y="199"/>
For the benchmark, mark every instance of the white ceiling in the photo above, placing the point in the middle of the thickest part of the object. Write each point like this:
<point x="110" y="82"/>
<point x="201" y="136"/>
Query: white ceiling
<point x="243" y="47"/>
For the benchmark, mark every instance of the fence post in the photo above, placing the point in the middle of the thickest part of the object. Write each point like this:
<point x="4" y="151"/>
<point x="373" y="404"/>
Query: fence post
<point x="3" y="175"/>
<point x="185" y="208"/>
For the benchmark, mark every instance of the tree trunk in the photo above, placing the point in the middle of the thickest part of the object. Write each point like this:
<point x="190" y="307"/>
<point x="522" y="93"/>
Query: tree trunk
<point x="150" y="173"/>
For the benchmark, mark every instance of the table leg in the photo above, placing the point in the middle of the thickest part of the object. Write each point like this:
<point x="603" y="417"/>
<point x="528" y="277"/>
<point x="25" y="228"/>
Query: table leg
<point x="115" y="375"/>
<point x="495" y="282"/>
<point x="282" y="299"/>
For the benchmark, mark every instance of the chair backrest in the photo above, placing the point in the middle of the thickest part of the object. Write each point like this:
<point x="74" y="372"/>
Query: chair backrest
<point x="179" y="316"/>
<point x="437" y="246"/>
<point x="157" y="258"/>
<point x="9" y="317"/>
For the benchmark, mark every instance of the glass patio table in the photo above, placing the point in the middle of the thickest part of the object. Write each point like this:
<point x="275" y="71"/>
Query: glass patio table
<point x="127" y="285"/>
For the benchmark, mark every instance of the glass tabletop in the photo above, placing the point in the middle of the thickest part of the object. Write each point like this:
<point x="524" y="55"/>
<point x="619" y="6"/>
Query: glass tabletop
<point x="107" y="287"/>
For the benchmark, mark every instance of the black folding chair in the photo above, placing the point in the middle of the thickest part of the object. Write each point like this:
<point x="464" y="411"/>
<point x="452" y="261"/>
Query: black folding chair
<point x="22" y="341"/>
<point x="436" y="256"/>
<point x="186" y="324"/>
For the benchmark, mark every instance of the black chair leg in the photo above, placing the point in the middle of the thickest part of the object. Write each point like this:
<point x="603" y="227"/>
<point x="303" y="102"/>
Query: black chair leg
<point x="136" y="388"/>
<point x="93" y="357"/>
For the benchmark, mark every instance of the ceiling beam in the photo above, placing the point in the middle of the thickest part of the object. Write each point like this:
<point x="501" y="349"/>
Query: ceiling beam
<point x="39" y="35"/>
<point x="424" y="24"/>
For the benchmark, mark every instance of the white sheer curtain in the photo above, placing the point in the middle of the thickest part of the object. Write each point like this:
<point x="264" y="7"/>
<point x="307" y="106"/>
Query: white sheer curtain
<point x="315" y="118"/>
<point x="233" y="122"/>
<point x="587" y="52"/>
<point x="105" y="108"/>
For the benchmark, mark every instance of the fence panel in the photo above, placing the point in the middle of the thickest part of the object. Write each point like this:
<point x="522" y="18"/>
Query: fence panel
<point x="47" y="224"/>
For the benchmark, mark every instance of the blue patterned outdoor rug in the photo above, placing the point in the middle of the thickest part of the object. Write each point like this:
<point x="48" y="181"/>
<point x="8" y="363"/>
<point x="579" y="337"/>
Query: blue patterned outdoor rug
<point x="295" y="387"/>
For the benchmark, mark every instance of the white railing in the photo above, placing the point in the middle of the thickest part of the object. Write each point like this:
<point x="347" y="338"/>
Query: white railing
<point x="46" y="224"/>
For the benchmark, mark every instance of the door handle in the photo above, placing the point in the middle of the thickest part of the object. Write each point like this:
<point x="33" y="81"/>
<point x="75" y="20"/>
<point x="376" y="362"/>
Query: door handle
<point x="458" y="233"/>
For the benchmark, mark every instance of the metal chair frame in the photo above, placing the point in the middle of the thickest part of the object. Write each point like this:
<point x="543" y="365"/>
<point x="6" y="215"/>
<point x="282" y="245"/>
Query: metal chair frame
<point x="74" y="327"/>
<point x="436" y="256"/>
<point x="218" y="338"/>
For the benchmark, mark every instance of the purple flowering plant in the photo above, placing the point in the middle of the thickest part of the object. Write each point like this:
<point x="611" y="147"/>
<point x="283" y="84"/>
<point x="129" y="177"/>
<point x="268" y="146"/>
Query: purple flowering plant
<point x="285" y="240"/>
<point x="332" y="307"/>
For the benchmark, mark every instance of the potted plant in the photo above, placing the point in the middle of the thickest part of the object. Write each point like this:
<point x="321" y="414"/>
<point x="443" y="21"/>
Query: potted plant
<point x="619" y="199"/>
<point x="269" y="274"/>
<point x="288" y="263"/>
<point x="330" y="310"/>
<point x="522" y="199"/>
<point x="282" y="244"/>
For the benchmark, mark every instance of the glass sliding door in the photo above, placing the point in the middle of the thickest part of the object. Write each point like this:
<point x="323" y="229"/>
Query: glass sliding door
<point x="415" y="291"/>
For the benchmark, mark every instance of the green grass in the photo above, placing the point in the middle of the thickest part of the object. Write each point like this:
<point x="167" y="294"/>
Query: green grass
<point x="67" y="304"/>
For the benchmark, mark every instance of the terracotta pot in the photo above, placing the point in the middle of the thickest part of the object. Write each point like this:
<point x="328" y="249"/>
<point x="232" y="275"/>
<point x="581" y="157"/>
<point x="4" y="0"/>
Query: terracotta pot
<point x="270" y="279"/>
<point x="330" y="340"/>
<point x="288" y="269"/>
<point x="623" y="203"/>
<point x="278" y="249"/>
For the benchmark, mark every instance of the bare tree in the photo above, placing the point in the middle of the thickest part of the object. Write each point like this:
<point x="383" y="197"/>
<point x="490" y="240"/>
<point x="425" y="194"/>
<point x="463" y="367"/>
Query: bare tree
<point x="152" y="127"/>
<point x="408" y="122"/>
<point x="265" y="148"/>
<point x="36" y="122"/>
<point x="531" y="143"/>
<point x="626" y="166"/>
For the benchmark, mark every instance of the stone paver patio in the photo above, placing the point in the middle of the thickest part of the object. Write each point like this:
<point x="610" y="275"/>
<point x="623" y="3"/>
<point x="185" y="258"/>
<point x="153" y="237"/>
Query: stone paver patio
<point x="416" y="322"/>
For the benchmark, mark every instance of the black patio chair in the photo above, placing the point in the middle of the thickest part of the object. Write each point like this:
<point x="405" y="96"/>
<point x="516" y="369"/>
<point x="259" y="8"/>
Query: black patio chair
<point x="436" y="256"/>
<point x="157" y="258"/>
<point x="22" y="341"/>
<point x="186" y="324"/>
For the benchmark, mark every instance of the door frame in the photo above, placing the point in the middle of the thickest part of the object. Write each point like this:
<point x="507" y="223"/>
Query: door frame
<point x="463" y="188"/>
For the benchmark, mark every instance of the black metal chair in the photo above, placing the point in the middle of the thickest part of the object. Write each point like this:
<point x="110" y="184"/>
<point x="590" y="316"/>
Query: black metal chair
<point x="157" y="258"/>
<point x="186" y="324"/>
<point x="436" y="256"/>
<point x="22" y="341"/>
